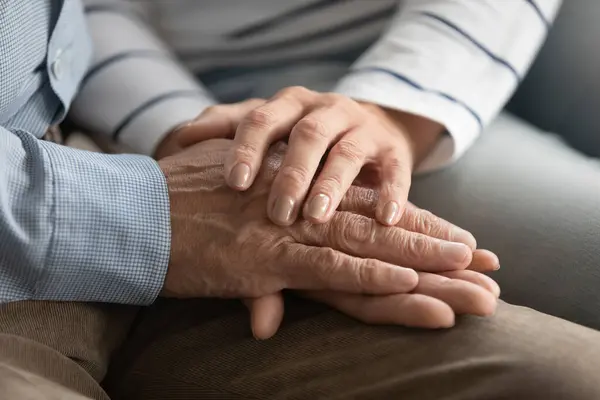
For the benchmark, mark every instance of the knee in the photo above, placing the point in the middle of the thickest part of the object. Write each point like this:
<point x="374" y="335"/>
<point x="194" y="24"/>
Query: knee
<point x="562" y="379"/>
<point x="524" y="354"/>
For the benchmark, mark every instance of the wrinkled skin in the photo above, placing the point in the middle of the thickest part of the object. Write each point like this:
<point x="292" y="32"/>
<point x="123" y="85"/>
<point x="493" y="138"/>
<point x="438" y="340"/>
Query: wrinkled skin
<point x="223" y="245"/>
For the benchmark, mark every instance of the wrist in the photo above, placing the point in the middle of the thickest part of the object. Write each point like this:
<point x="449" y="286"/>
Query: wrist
<point x="422" y="133"/>
<point x="170" y="143"/>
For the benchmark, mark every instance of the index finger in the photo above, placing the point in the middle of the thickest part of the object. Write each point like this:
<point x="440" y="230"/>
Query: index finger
<point x="364" y="237"/>
<point x="256" y="132"/>
<point x="218" y="121"/>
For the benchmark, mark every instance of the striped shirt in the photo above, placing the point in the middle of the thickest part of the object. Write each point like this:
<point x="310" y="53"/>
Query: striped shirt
<point x="453" y="61"/>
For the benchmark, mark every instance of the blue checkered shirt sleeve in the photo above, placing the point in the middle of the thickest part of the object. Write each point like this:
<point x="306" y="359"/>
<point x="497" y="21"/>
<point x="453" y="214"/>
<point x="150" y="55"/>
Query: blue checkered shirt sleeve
<point x="80" y="226"/>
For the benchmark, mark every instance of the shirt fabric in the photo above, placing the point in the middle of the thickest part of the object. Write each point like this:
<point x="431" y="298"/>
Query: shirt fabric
<point x="74" y="225"/>
<point x="453" y="61"/>
<point x="89" y="227"/>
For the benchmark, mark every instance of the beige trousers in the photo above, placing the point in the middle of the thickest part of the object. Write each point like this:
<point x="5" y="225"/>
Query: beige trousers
<point x="203" y="349"/>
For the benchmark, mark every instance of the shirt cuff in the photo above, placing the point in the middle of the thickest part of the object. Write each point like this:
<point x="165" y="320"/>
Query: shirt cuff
<point x="145" y="132"/>
<point x="393" y="91"/>
<point x="111" y="238"/>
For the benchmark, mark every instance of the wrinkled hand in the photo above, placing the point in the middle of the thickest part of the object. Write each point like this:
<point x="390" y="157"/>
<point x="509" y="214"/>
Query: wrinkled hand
<point x="351" y="138"/>
<point x="223" y="244"/>
<point x="434" y="303"/>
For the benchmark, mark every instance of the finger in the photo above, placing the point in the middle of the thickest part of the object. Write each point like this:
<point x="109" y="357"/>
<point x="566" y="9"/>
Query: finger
<point x="418" y="220"/>
<point x="477" y="278"/>
<point x="464" y="297"/>
<point x="344" y="162"/>
<point x="364" y="201"/>
<point x="364" y="237"/>
<point x="412" y="310"/>
<point x="266" y="314"/>
<point x="215" y="122"/>
<point x="258" y="130"/>
<point x="484" y="261"/>
<point x="396" y="171"/>
<point x="323" y="268"/>
<point x="307" y="144"/>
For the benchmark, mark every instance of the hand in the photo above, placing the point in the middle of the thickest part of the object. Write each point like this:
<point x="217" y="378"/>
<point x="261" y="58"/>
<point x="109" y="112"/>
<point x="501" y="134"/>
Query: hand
<point x="170" y="144"/>
<point x="434" y="303"/>
<point x="210" y="124"/>
<point x="224" y="246"/>
<point x="360" y="137"/>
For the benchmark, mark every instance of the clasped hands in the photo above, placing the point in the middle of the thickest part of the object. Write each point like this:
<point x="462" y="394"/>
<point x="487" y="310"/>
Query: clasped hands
<point x="363" y="250"/>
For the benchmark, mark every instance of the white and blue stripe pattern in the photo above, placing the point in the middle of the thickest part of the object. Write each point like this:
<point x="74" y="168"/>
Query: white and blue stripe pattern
<point x="454" y="61"/>
<point x="134" y="91"/>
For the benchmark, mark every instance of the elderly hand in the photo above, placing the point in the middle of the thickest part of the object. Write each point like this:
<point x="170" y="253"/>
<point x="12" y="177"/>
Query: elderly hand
<point x="223" y="244"/>
<point x="434" y="303"/>
<point x="348" y="136"/>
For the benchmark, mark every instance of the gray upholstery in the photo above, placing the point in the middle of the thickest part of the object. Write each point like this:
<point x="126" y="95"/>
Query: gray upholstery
<point x="561" y="93"/>
<point x="536" y="203"/>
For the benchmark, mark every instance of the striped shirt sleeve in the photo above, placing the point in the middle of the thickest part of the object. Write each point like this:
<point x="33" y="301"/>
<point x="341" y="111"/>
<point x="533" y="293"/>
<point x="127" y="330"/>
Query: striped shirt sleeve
<point x="453" y="61"/>
<point x="135" y="90"/>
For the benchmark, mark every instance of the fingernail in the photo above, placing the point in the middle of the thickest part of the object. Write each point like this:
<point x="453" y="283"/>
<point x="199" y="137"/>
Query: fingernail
<point x="240" y="175"/>
<point x="282" y="209"/>
<point x="455" y="251"/>
<point x="462" y="236"/>
<point x="389" y="212"/>
<point x="317" y="206"/>
<point x="497" y="267"/>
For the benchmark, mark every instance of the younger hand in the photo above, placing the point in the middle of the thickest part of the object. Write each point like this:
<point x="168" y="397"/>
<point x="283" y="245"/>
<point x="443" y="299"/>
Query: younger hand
<point x="350" y="137"/>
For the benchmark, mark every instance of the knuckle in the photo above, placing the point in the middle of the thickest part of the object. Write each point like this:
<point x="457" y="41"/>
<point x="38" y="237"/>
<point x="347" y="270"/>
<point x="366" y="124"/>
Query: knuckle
<point x="393" y="189"/>
<point x="293" y="175"/>
<point x="213" y="110"/>
<point x="349" y="151"/>
<point x="328" y="262"/>
<point x="357" y="229"/>
<point x="336" y="98"/>
<point x="395" y="163"/>
<point x="427" y="222"/>
<point x="311" y="130"/>
<point x="360" y="200"/>
<point x="395" y="158"/>
<point x="330" y="184"/>
<point x="260" y="118"/>
<point x="294" y="91"/>
<point x="245" y="151"/>
<point x="355" y="278"/>
<point x="368" y="273"/>
<point x="417" y="246"/>
<point x="330" y="257"/>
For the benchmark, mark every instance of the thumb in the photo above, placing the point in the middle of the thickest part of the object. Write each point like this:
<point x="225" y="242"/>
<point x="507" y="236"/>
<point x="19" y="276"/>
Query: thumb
<point x="266" y="314"/>
<point x="216" y="122"/>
